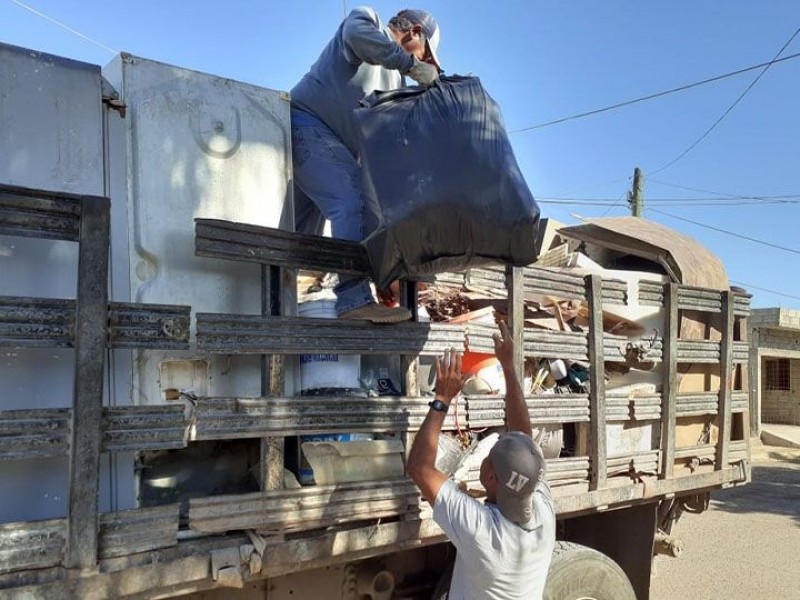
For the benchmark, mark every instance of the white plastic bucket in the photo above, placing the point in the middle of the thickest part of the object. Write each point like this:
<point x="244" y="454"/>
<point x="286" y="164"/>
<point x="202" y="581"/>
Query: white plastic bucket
<point x="324" y="370"/>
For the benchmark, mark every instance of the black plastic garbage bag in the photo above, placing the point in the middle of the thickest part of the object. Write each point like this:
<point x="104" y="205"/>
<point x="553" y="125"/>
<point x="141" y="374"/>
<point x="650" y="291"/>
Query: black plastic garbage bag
<point x="442" y="180"/>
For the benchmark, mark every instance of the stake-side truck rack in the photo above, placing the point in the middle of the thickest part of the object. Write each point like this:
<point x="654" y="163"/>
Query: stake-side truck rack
<point x="370" y="539"/>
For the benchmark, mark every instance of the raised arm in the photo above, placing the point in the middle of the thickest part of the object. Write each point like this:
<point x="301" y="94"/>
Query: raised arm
<point x="422" y="457"/>
<point x="365" y="42"/>
<point x="517" y="416"/>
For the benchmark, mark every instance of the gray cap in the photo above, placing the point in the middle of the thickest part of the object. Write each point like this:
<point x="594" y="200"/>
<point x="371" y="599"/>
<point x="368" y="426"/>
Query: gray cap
<point x="519" y="464"/>
<point x="429" y="27"/>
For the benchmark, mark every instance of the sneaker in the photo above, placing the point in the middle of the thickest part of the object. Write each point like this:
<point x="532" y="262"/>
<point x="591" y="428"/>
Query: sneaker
<point x="378" y="313"/>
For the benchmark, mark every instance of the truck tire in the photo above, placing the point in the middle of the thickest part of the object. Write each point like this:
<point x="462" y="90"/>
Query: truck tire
<point x="580" y="573"/>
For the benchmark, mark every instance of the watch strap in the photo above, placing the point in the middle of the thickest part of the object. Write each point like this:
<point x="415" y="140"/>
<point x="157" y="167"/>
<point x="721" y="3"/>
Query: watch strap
<point x="439" y="405"/>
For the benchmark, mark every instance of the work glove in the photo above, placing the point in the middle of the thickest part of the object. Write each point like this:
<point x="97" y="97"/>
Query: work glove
<point x="423" y="73"/>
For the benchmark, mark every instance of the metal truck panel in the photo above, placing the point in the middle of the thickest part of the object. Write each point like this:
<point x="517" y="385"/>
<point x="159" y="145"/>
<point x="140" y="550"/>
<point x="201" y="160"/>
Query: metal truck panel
<point x="196" y="146"/>
<point x="51" y="137"/>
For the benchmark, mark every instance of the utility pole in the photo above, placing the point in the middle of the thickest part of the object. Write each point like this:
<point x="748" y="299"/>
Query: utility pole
<point x="636" y="196"/>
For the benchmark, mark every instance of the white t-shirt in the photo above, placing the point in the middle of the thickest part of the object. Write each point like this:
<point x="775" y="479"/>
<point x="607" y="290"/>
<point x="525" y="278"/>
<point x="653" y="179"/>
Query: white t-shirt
<point x="496" y="558"/>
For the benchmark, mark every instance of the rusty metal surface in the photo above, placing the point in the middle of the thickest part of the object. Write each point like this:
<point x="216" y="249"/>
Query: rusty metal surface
<point x="44" y="214"/>
<point x="265" y="245"/>
<point x="139" y="530"/>
<point x="36" y="433"/>
<point x="305" y="508"/>
<point x="31" y="545"/>
<point x="50" y="323"/>
<point x="252" y="334"/>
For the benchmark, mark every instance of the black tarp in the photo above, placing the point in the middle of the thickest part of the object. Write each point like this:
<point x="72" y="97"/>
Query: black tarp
<point x="441" y="179"/>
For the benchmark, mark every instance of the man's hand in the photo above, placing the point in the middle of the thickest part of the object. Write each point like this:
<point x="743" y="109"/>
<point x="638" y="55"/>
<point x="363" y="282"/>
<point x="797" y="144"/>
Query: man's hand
<point x="423" y="73"/>
<point x="449" y="379"/>
<point x="504" y="347"/>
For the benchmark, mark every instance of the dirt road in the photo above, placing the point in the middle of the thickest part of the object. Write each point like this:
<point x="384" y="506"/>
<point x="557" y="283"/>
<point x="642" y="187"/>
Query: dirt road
<point x="747" y="545"/>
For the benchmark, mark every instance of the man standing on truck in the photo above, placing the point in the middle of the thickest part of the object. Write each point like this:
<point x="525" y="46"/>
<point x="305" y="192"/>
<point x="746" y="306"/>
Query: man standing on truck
<point x="504" y="546"/>
<point x="363" y="56"/>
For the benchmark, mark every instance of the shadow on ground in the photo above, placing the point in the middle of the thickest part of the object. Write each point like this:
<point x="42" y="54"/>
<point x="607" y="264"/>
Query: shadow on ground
<point x="775" y="489"/>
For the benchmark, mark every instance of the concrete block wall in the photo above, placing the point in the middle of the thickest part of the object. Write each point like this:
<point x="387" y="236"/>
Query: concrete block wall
<point x="775" y="317"/>
<point x="779" y="339"/>
<point x="779" y="406"/>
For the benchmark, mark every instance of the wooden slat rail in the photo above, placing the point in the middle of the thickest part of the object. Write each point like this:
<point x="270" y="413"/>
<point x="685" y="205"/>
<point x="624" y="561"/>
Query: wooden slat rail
<point x="651" y="293"/>
<point x="139" y="530"/>
<point x="91" y="334"/>
<point x="597" y="426"/>
<point x="265" y="245"/>
<point x="727" y="351"/>
<point x="40" y="544"/>
<point x="50" y="323"/>
<point x="669" y="410"/>
<point x="31" y="545"/>
<point x="42" y="433"/>
<point x="253" y="334"/>
<point x="45" y="433"/>
<point x="139" y="428"/>
<point x="560" y="472"/>
<point x="27" y="212"/>
<point x="219" y="418"/>
<point x="306" y="508"/>
<point x="737" y="450"/>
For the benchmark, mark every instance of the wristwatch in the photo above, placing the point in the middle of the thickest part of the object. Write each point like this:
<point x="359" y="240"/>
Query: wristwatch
<point x="439" y="405"/>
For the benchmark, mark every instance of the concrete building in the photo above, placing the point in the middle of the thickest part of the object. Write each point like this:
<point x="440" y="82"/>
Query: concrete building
<point x="775" y="360"/>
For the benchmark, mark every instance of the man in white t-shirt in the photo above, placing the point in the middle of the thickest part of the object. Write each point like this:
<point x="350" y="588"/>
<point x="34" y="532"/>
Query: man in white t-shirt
<point x="504" y="546"/>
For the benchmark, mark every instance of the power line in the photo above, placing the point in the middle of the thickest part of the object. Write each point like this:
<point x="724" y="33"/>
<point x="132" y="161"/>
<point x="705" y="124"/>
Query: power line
<point x="691" y="189"/>
<point x="734" y="234"/>
<point x="729" y="109"/>
<point x="724" y="195"/>
<point x="756" y="199"/>
<point x="688" y="204"/>
<point x="656" y="95"/>
<point x="63" y="26"/>
<point x="755" y="287"/>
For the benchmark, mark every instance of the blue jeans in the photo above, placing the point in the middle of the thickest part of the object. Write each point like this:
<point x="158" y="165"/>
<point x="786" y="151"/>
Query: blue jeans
<point x="327" y="184"/>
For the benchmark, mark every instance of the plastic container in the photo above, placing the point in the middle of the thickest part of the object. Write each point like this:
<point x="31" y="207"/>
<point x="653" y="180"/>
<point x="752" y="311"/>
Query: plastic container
<point x="341" y="462"/>
<point x="485" y="367"/>
<point x="326" y="373"/>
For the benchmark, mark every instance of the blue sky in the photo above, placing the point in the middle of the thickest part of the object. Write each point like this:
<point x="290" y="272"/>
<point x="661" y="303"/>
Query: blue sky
<point x="541" y="61"/>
